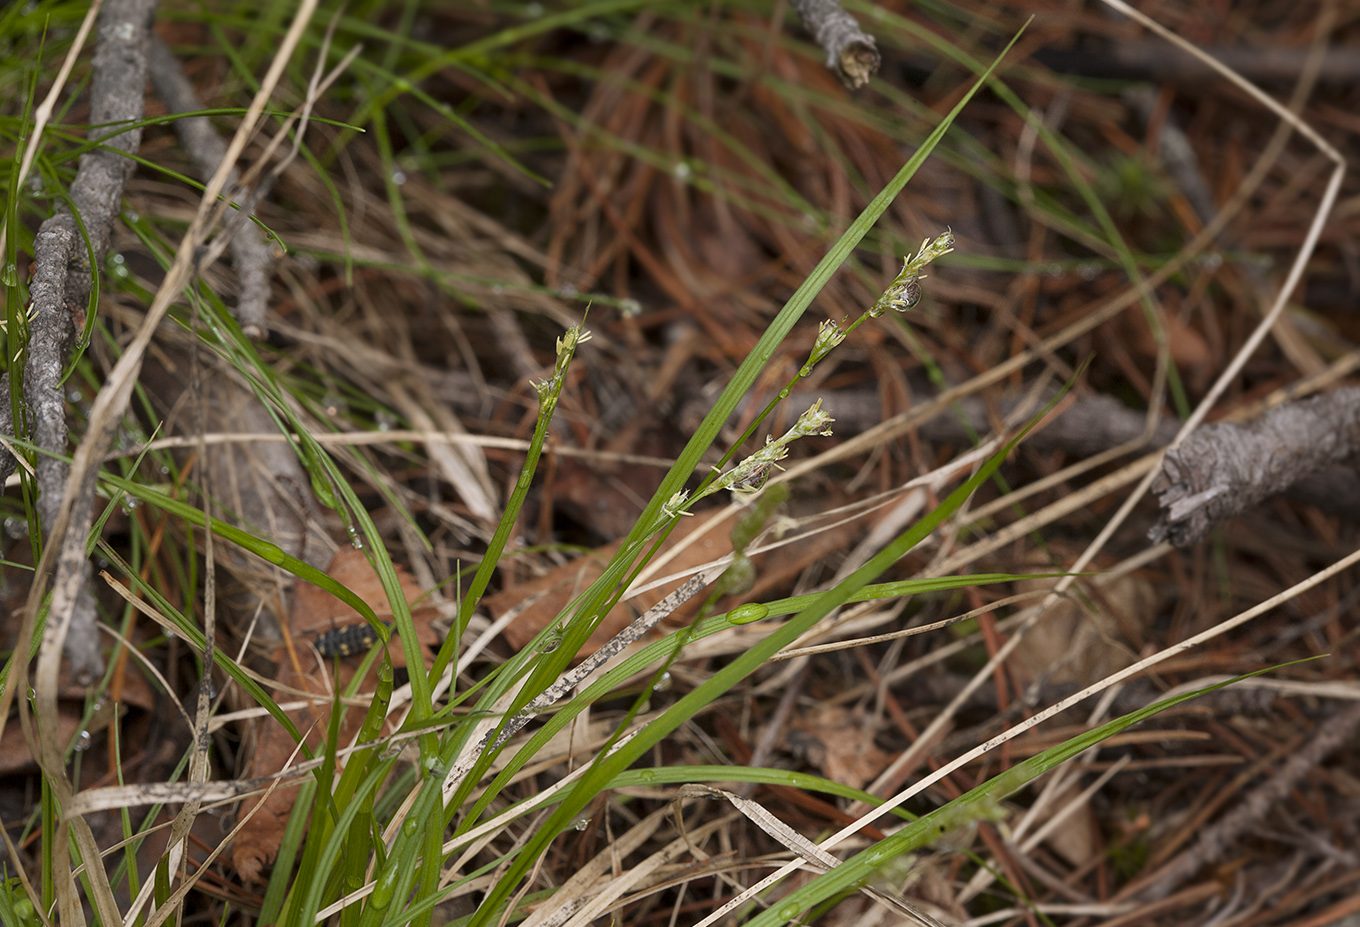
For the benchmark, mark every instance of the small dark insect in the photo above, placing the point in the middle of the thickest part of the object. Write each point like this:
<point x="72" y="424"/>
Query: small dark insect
<point x="347" y="640"/>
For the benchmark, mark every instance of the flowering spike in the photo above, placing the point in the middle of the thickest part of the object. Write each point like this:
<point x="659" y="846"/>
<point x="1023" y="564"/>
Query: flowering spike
<point x="905" y="291"/>
<point x="750" y="475"/>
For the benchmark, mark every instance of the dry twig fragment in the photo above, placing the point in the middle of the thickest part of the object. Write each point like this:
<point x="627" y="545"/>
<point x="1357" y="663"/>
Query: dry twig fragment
<point x="1223" y="470"/>
<point x="850" y="52"/>
<point x="253" y="261"/>
<point x="64" y="270"/>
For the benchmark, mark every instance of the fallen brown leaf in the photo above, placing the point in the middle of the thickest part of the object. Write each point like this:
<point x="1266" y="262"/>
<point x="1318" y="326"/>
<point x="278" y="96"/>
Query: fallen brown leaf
<point x="302" y="669"/>
<point x="840" y="745"/>
<point x="694" y="544"/>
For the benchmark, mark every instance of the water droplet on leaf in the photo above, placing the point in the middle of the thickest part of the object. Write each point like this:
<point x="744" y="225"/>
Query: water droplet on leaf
<point x="745" y="614"/>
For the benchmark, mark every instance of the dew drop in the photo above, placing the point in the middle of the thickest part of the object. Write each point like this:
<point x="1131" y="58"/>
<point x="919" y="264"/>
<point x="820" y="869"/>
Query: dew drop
<point x="664" y="683"/>
<point x="83" y="742"/>
<point x="580" y="824"/>
<point x="682" y="171"/>
<point x="533" y="10"/>
<point x="646" y="775"/>
<point x="398" y="177"/>
<point x="9" y="274"/>
<point x="745" y="614"/>
<point x="630" y="308"/>
<point x="552" y="643"/>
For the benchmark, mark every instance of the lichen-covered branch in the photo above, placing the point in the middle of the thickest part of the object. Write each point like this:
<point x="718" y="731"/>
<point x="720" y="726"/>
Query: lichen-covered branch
<point x="49" y="343"/>
<point x="64" y="268"/>
<point x="1222" y="470"/>
<point x="850" y="52"/>
<point x="250" y="252"/>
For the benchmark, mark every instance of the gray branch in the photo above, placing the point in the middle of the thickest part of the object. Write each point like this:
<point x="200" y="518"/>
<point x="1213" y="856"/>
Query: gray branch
<point x="49" y="344"/>
<point x="251" y="255"/>
<point x="1223" y="470"/>
<point x="850" y="53"/>
<point x="1090" y="425"/>
<point x="64" y="271"/>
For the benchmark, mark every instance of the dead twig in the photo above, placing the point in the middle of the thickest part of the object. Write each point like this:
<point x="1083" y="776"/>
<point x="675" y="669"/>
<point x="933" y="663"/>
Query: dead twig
<point x="851" y="54"/>
<point x="64" y="272"/>
<point x="251" y="253"/>
<point x="1224" y="469"/>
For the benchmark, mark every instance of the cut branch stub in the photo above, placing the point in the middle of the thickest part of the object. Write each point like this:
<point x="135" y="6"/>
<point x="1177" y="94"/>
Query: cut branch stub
<point x="1223" y="470"/>
<point x="850" y="52"/>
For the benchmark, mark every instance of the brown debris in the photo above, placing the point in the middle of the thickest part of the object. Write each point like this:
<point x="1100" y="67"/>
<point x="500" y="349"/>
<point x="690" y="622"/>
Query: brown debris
<point x="303" y="672"/>
<point x="693" y="543"/>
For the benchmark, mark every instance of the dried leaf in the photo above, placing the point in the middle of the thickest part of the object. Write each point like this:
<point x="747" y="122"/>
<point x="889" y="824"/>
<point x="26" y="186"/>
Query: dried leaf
<point x="1069" y="645"/>
<point x="302" y="669"/>
<point x="840" y="745"/>
<point x="693" y="543"/>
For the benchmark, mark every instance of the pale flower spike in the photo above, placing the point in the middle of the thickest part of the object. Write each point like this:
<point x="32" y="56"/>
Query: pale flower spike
<point x="829" y="334"/>
<point x="549" y="389"/>
<point x="905" y="291"/>
<point x="566" y="345"/>
<point x="750" y="475"/>
<point x="675" y="505"/>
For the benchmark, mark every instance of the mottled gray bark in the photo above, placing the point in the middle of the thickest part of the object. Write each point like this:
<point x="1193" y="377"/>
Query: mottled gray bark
<point x="850" y="52"/>
<point x="64" y="269"/>
<point x="1223" y="470"/>
<point x="252" y="260"/>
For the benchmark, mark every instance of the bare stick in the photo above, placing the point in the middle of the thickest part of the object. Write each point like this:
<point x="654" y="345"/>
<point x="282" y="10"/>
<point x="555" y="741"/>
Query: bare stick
<point x="253" y="261"/>
<point x="64" y="271"/>
<point x="1221" y="470"/>
<point x="66" y="546"/>
<point x="850" y="53"/>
